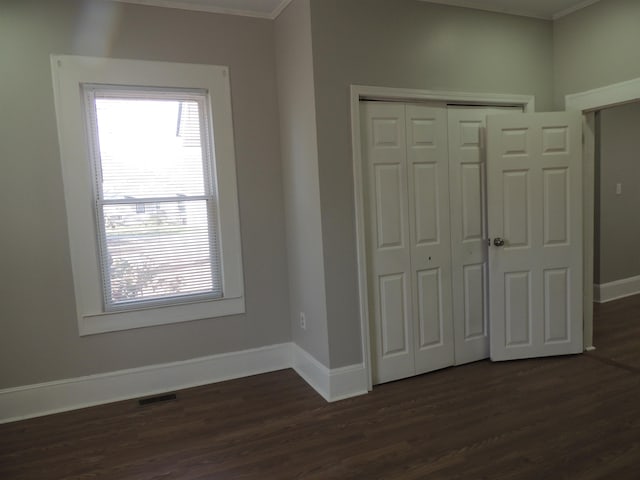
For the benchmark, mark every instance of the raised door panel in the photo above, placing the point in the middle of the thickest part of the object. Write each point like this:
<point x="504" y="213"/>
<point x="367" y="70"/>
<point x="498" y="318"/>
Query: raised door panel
<point x="472" y="177"/>
<point x="389" y="202"/>
<point x="516" y="208"/>
<point x="557" y="305"/>
<point x="427" y="203"/>
<point x="430" y="321"/>
<point x="394" y="315"/>
<point x="557" y="216"/>
<point x="475" y="325"/>
<point x="517" y="304"/>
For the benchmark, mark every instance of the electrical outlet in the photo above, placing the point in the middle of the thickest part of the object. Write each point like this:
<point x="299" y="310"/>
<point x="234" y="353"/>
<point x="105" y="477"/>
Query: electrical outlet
<point x="303" y="321"/>
<point x="618" y="189"/>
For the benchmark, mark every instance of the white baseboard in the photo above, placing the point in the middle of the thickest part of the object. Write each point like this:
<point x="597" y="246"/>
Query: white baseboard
<point x="311" y="370"/>
<point x="607" y="292"/>
<point x="347" y="382"/>
<point x="333" y="384"/>
<point x="60" y="396"/>
<point x="63" y="395"/>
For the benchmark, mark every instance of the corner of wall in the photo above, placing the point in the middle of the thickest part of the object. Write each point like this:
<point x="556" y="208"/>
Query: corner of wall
<point x="332" y="384"/>
<point x="299" y="147"/>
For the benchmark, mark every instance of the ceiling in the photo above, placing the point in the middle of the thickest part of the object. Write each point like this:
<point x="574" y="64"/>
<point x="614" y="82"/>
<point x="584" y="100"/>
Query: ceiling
<point x="547" y="9"/>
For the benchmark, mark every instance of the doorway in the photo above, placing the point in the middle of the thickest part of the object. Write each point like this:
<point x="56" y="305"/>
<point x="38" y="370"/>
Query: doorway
<point x="617" y="197"/>
<point x="617" y="235"/>
<point x="590" y="102"/>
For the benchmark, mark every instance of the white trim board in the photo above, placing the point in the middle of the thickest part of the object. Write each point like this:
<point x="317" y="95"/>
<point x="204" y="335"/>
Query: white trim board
<point x="607" y="292"/>
<point x="333" y="384"/>
<point x="364" y="92"/>
<point x="604" y="97"/>
<point x="71" y="394"/>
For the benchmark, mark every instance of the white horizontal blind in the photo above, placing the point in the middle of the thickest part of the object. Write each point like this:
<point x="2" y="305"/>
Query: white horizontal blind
<point x="155" y="195"/>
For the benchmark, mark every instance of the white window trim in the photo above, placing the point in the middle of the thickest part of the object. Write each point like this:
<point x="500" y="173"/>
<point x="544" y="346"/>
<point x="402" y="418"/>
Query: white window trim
<point x="69" y="73"/>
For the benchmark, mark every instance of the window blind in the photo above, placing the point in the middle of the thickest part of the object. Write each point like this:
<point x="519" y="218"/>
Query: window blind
<point x="155" y="196"/>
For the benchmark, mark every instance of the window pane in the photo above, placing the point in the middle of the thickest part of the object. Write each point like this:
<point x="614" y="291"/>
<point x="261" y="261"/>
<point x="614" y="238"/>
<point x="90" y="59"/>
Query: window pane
<point x="149" y="148"/>
<point x="157" y="250"/>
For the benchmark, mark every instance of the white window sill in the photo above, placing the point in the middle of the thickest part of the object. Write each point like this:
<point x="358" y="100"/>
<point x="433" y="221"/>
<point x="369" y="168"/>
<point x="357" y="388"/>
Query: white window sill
<point x="163" y="315"/>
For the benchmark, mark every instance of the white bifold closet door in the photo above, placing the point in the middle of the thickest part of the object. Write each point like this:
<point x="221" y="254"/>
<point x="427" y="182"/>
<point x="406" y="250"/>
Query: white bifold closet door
<point x="439" y="186"/>
<point x="535" y="222"/>
<point x="409" y="251"/>
<point x="469" y="238"/>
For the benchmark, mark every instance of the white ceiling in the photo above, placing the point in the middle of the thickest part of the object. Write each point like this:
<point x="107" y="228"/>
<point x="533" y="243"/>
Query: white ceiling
<point x="547" y="9"/>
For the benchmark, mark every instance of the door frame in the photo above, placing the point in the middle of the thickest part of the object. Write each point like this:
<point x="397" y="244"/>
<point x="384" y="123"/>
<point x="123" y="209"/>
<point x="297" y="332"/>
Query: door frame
<point x="589" y="102"/>
<point x="361" y="93"/>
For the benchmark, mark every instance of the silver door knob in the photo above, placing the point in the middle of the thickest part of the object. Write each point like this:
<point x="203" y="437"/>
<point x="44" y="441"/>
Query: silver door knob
<point x="498" y="242"/>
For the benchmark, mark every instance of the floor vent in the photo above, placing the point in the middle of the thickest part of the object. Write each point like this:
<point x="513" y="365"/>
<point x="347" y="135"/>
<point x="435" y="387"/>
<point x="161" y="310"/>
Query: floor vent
<point x="157" y="399"/>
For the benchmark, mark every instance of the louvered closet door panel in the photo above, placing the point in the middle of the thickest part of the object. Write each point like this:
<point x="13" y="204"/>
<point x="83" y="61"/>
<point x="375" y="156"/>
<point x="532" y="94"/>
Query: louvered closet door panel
<point x="428" y="184"/>
<point x="388" y="239"/>
<point x="469" y="255"/>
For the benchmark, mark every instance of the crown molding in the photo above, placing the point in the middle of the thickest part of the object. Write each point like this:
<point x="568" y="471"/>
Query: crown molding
<point x="575" y="8"/>
<point x="475" y="6"/>
<point x="197" y="7"/>
<point x="512" y="11"/>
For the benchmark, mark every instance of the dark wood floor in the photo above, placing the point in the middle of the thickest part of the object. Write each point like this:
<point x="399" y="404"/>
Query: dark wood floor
<point x="617" y="332"/>
<point x="573" y="417"/>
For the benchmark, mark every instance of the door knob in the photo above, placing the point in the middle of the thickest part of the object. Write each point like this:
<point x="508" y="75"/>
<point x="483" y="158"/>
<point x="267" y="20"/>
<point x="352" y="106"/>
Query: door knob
<point x="498" y="242"/>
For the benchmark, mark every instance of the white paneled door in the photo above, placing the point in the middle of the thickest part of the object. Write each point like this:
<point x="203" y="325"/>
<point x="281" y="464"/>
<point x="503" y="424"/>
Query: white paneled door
<point x="535" y="226"/>
<point x="469" y="250"/>
<point x="428" y="174"/>
<point x="407" y="196"/>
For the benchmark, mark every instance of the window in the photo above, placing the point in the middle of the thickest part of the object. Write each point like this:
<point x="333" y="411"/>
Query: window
<point x="150" y="190"/>
<point x="154" y="194"/>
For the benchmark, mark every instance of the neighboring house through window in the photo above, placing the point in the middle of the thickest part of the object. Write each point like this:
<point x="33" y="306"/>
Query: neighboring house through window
<point x="150" y="189"/>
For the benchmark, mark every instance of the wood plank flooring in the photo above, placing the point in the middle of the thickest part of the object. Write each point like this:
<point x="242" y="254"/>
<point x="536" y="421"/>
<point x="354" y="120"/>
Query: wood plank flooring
<point x="574" y="417"/>
<point x="617" y="331"/>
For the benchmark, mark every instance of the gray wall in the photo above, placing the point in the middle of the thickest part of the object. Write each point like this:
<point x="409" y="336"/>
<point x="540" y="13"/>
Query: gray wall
<point x="596" y="46"/>
<point x="300" y="178"/>
<point x="38" y="337"/>
<point x="619" y="225"/>
<point x="410" y="44"/>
